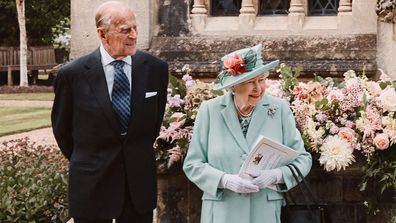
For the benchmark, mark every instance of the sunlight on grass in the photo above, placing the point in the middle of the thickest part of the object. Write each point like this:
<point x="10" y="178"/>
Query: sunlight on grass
<point x="28" y="96"/>
<point x="22" y="119"/>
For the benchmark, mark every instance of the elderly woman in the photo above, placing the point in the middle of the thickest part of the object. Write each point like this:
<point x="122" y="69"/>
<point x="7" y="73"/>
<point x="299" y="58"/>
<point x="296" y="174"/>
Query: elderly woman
<point x="225" y="130"/>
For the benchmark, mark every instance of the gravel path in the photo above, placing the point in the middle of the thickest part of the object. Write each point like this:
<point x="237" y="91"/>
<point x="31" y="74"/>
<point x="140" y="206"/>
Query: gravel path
<point x="40" y="136"/>
<point x="25" y="103"/>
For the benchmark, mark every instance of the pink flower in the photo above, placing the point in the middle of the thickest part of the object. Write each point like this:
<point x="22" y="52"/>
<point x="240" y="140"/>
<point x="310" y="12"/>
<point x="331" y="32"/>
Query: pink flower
<point x="335" y="94"/>
<point x="347" y="134"/>
<point x="177" y="120"/>
<point x="381" y="141"/>
<point x="235" y="65"/>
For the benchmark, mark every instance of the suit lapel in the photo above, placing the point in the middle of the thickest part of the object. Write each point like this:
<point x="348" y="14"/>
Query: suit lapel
<point x="139" y="81"/>
<point x="258" y="121"/>
<point x="97" y="80"/>
<point x="231" y="119"/>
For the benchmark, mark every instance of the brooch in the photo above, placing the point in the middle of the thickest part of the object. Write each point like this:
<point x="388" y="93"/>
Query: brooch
<point x="272" y="110"/>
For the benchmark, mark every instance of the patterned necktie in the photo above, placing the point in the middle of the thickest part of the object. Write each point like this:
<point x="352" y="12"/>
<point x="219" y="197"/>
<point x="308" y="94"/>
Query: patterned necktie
<point x="120" y="95"/>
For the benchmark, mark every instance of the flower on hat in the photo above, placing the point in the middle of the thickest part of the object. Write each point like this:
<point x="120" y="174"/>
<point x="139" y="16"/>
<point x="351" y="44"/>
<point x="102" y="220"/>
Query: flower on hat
<point x="235" y="65"/>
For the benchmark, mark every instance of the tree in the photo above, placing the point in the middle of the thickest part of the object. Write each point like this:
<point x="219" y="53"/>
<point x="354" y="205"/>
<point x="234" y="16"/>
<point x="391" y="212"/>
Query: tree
<point x="20" y="5"/>
<point x="41" y="17"/>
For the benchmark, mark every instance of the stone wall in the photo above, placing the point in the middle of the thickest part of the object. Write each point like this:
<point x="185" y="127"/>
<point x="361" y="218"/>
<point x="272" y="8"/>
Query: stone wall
<point x="325" y="56"/>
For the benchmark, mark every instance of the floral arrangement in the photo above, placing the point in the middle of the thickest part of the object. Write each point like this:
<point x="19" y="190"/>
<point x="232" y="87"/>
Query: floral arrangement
<point x="336" y="119"/>
<point x="184" y="99"/>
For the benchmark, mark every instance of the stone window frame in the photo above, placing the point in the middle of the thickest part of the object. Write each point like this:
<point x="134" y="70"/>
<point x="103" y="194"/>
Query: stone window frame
<point x="249" y="23"/>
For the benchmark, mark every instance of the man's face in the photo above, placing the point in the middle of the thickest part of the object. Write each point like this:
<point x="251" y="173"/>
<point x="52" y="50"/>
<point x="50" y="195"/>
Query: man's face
<point x="120" y="39"/>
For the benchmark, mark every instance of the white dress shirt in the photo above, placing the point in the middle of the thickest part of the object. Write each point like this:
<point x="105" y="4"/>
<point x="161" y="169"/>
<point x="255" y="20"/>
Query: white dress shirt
<point x="109" y="69"/>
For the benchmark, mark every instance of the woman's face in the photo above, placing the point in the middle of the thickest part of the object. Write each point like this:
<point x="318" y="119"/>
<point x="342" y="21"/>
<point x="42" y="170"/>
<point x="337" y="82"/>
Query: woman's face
<point x="250" y="92"/>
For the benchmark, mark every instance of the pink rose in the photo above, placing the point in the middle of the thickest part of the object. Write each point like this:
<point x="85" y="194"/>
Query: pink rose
<point x="381" y="141"/>
<point x="347" y="134"/>
<point x="235" y="65"/>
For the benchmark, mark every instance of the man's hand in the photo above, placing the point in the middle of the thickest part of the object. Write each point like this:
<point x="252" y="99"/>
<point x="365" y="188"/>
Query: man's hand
<point x="237" y="184"/>
<point x="264" y="178"/>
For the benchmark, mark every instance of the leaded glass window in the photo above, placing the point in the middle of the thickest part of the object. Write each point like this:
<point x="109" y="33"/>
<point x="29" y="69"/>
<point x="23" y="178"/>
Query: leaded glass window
<point x="323" y="7"/>
<point x="226" y="7"/>
<point x="274" y="7"/>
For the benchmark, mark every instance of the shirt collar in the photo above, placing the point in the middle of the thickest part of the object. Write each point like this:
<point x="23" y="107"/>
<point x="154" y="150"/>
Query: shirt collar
<point x="107" y="59"/>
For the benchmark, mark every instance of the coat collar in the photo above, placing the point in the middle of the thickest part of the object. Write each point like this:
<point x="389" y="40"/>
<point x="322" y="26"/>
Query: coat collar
<point x="257" y="122"/>
<point x="97" y="80"/>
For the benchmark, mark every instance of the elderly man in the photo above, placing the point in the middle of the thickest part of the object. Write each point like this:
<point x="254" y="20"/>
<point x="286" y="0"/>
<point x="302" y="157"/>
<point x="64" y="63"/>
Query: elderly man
<point x="107" y="112"/>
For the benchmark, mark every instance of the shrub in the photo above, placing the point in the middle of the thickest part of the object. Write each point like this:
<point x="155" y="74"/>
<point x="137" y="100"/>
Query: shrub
<point x="33" y="183"/>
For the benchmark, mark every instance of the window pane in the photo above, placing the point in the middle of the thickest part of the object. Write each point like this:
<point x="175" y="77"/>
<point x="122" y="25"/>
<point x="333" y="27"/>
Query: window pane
<point x="323" y="7"/>
<point x="274" y="7"/>
<point x="226" y="7"/>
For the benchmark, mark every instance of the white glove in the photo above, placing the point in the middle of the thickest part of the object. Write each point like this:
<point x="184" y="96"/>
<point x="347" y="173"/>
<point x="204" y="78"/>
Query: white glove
<point x="237" y="184"/>
<point x="265" y="178"/>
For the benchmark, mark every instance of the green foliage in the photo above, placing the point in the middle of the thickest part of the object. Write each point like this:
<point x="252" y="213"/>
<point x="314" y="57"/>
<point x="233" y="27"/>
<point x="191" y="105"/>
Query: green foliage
<point x="41" y="17"/>
<point x="33" y="183"/>
<point x="250" y="60"/>
<point x="289" y="78"/>
<point x="379" y="178"/>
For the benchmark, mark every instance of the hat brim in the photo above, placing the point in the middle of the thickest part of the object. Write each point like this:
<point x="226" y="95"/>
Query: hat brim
<point x="230" y="81"/>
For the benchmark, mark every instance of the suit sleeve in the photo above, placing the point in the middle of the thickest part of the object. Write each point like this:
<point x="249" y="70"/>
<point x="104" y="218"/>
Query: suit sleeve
<point x="196" y="165"/>
<point x="292" y="138"/>
<point x="62" y="114"/>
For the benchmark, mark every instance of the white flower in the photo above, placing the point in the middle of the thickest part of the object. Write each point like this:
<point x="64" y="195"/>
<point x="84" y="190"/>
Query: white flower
<point x="336" y="154"/>
<point x="373" y="88"/>
<point x="186" y="68"/>
<point x="349" y="74"/>
<point x="274" y="88"/>
<point x="387" y="99"/>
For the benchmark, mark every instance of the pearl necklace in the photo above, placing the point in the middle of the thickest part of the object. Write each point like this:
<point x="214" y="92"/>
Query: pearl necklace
<point x="240" y="113"/>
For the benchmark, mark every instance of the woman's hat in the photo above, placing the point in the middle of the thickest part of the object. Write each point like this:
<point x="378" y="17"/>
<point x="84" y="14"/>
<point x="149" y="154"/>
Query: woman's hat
<point x="242" y="65"/>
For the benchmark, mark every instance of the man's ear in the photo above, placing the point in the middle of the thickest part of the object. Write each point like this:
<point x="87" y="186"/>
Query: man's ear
<point x="101" y="33"/>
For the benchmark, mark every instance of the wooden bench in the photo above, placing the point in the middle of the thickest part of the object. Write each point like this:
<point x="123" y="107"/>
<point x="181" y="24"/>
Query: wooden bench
<point x="39" y="58"/>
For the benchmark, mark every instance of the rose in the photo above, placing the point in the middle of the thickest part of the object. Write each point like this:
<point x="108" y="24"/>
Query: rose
<point x="347" y="134"/>
<point x="381" y="141"/>
<point x="387" y="99"/>
<point x="235" y="65"/>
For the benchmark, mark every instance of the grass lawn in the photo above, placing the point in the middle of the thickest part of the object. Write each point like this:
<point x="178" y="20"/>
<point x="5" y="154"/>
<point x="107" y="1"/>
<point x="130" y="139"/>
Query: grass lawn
<point x="22" y="119"/>
<point x="28" y="96"/>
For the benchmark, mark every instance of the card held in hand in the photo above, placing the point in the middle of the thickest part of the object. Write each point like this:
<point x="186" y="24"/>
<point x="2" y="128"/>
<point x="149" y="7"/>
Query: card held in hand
<point x="266" y="154"/>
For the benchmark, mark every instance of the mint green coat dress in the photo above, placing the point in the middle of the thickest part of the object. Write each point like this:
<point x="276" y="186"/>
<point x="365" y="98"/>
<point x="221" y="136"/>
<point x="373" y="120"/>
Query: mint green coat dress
<point x="218" y="147"/>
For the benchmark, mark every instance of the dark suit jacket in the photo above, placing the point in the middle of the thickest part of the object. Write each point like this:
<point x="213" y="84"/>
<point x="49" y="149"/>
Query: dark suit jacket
<point x="88" y="134"/>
